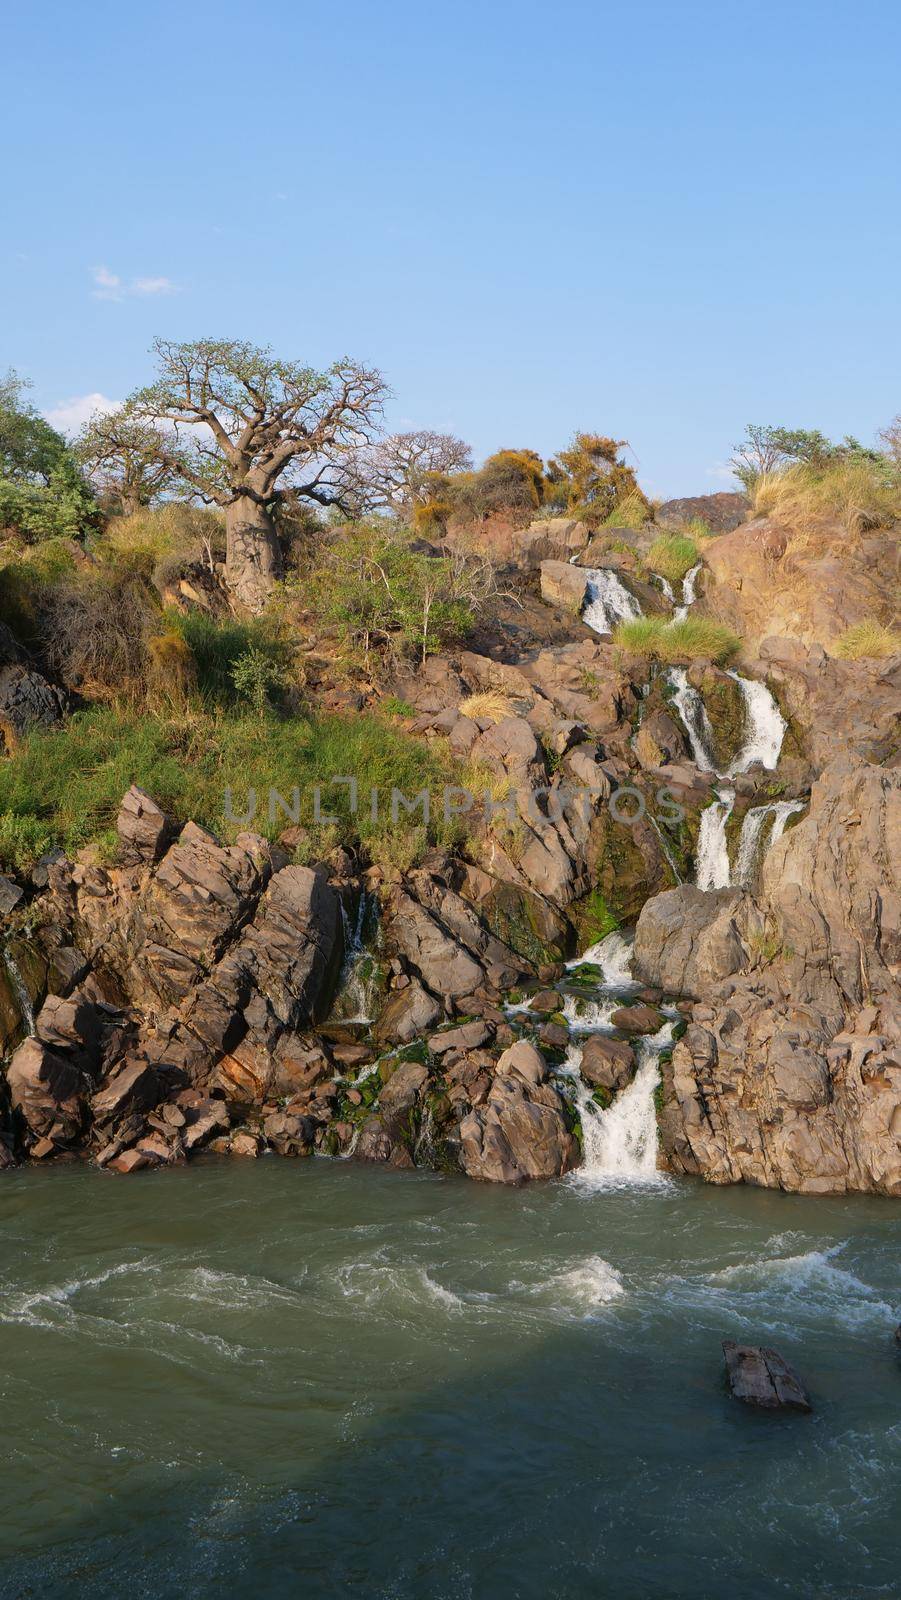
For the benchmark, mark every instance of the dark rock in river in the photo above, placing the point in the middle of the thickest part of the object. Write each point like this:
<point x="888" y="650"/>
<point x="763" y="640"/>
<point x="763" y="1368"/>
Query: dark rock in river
<point x="760" y="1377"/>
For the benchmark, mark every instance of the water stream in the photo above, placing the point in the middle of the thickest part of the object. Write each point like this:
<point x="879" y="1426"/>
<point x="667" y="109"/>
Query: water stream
<point x="607" y="601"/>
<point x="20" y="989"/>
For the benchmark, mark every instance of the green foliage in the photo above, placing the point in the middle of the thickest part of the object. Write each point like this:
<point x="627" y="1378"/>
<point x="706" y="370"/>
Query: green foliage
<point x="23" y="839"/>
<point x="766" y="449"/>
<point x="256" y="677"/>
<point x="694" y="638"/>
<point x="600" y="486"/>
<point x="64" y="786"/>
<point x="42" y="492"/>
<point x="672" y="556"/>
<point x="30" y="450"/>
<point x="375" y="587"/>
<point x="219" y="646"/>
<point x="593" y="918"/>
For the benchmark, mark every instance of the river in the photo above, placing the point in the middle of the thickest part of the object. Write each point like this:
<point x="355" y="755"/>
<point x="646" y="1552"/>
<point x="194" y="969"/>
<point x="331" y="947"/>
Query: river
<point x="322" y="1378"/>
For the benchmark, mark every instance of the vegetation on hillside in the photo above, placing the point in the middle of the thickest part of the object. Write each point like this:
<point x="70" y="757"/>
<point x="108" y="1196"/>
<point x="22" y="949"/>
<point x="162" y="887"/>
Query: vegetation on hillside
<point x="695" y="638"/>
<point x="870" y="638"/>
<point x="672" y="556"/>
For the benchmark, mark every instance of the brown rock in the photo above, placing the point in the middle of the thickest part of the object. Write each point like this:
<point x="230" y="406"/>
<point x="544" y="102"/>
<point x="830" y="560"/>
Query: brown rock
<point x="761" y="1377"/>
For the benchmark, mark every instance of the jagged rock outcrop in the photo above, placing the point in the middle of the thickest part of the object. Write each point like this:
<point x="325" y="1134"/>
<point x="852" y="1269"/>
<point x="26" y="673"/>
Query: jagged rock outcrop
<point x="722" y="512"/>
<point x="687" y="940"/>
<point x="835" y="705"/>
<point x="27" y="701"/>
<point x="520" y="1132"/>
<point x="789" y="1074"/>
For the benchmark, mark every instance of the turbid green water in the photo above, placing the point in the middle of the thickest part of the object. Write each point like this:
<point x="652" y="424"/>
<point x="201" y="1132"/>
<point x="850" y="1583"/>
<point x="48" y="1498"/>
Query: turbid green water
<point x="312" y="1378"/>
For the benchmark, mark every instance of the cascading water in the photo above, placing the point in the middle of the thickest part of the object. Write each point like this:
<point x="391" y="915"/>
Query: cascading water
<point x="752" y="829"/>
<point x="693" y="715"/>
<point x="21" y="990"/>
<point x="712" y="856"/>
<point x="689" y="595"/>
<point x="665" y="587"/>
<point x="765" y="728"/>
<point x="607" y="601"/>
<point x="358" y="982"/>
<point x="619" y="1144"/>
<point x="613" y="955"/>
<point x="762" y="743"/>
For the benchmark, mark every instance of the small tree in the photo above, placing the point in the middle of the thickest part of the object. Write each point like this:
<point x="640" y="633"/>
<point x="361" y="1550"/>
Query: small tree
<point x="234" y="422"/>
<point x="596" y="478"/>
<point x="42" y="491"/>
<point x="396" y="473"/>
<point x="122" y="456"/>
<point x="766" y="449"/>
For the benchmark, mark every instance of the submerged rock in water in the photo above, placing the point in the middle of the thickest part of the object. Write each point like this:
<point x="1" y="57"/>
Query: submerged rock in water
<point x="761" y="1377"/>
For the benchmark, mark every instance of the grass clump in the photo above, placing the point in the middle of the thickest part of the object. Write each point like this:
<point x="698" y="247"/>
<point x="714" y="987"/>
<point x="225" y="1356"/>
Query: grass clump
<point x="869" y="638"/>
<point x="695" y="638"/>
<point x="858" y="492"/>
<point x="64" y="786"/>
<point x="672" y="556"/>
<point x="631" y="512"/>
<point x="487" y="707"/>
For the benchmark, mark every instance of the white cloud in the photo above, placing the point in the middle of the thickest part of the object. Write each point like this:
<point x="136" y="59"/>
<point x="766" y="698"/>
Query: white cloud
<point x="152" y="286"/>
<point x="109" y="286"/>
<point x="71" y="415"/>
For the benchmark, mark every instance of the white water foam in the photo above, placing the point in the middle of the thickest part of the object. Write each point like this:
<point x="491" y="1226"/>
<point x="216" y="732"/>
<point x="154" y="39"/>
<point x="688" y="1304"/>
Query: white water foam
<point x="765" y="727"/>
<point x="752" y="829"/>
<point x="586" y="1284"/>
<point x="607" y="601"/>
<point x="693" y="715"/>
<point x="21" y="990"/>
<point x="589" y="1016"/>
<point x="712" y="858"/>
<point x="689" y="594"/>
<point x="613" y="955"/>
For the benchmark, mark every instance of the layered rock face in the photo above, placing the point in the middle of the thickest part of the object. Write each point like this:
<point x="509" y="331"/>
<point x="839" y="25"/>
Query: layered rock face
<point x="789" y="1074"/>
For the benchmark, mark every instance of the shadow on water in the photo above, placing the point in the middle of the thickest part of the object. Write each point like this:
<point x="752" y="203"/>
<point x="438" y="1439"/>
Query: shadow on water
<point x="328" y="1382"/>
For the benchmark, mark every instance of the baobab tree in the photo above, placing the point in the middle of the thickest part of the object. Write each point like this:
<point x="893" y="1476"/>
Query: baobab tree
<point x="234" y="422"/>
<point x="121" y="455"/>
<point x="392" y="474"/>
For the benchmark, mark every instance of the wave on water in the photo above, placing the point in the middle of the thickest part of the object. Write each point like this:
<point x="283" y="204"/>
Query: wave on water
<point x="814" y="1278"/>
<point x="583" y="1286"/>
<point x="402" y="1287"/>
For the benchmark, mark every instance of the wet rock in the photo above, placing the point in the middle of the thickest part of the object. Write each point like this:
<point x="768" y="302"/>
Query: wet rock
<point x="289" y="1134"/>
<point x="761" y="1377"/>
<point x="555" y="1035"/>
<point x="469" y="1036"/>
<point x="607" y="1063"/>
<point x="131" y="1161"/>
<point x="134" y="1086"/>
<point x="637" y="1019"/>
<point x="545" y="1002"/>
<point x="520" y="1132"/>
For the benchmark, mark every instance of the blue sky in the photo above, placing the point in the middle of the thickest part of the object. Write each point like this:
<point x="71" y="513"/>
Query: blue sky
<point x="659" y="221"/>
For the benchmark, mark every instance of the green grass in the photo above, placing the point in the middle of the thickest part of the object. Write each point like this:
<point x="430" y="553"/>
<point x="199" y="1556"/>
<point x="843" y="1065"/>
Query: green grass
<point x="64" y="786"/>
<point x="672" y="556"/>
<point x="870" y="638"/>
<point x="696" y="638"/>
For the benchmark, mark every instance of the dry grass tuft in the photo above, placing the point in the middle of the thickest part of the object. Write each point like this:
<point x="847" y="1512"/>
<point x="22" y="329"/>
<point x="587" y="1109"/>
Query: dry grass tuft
<point x="696" y="638"/>
<point x="870" y="638"/>
<point x="858" y="493"/>
<point x="490" y="706"/>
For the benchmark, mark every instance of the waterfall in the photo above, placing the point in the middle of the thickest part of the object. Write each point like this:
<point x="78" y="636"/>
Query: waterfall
<point x="359" y="978"/>
<point x="765" y="727"/>
<point x="21" y="990"/>
<point x="607" y="601"/>
<point x="712" y="859"/>
<point x="619" y="1145"/>
<point x="689" y="594"/>
<point x="665" y="587"/>
<point x="614" y="957"/>
<point x="693" y="714"/>
<point x="589" y="1016"/>
<point x="751" y="833"/>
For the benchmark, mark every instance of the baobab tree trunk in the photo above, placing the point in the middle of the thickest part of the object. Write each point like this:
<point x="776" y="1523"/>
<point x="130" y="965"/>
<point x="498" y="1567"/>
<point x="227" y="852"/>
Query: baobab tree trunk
<point x="253" y="560"/>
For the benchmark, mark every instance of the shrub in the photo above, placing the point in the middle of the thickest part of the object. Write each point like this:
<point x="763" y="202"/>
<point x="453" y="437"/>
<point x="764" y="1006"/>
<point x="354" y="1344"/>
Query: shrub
<point x="870" y="638"/>
<point x="510" y="481"/>
<point x="672" y="556"/>
<point x="854" y="490"/>
<point x="256" y="676"/>
<point x="694" y="638"/>
<point x="174" y="533"/>
<point x="60" y="509"/>
<point x="631" y="512"/>
<point x="94" y="630"/>
<point x="600" y="485"/>
<point x="217" y="645"/>
<point x="22" y="841"/>
<point x="172" y="671"/>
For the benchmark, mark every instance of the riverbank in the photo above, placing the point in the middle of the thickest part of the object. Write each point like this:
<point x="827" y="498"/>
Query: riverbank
<point x="259" y="1375"/>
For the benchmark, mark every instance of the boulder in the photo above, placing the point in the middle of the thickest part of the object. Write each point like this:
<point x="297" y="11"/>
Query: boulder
<point x="722" y="512"/>
<point x="443" y="965"/>
<point x="637" y="1019"/>
<point x="510" y="746"/>
<point x="144" y="829"/>
<point x="564" y="585"/>
<point x="48" y="1091"/>
<point x="27" y="701"/>
<point x="10" y="895"/>
<point x="553" y="538"/>
<point x="407" y="1014"/>
<point x="761" y="1377"/>
<point x="607" y="1063"/>
<point x="687" y="939"/>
